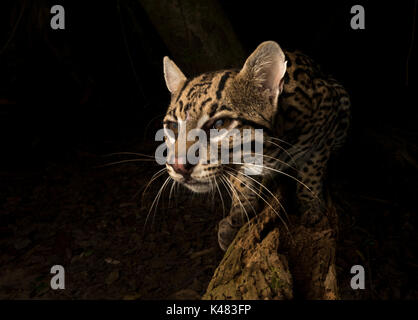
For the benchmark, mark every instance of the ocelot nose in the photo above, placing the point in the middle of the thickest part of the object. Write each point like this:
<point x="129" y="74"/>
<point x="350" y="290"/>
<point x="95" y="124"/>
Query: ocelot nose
<point x="182" y="166"/>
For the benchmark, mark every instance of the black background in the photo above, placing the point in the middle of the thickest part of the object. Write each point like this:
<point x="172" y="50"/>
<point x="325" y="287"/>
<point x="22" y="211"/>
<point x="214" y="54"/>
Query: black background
<point x="81" y="86"/>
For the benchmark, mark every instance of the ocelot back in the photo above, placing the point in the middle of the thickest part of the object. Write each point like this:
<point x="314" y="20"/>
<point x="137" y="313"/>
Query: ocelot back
<point x="304" y="115"/>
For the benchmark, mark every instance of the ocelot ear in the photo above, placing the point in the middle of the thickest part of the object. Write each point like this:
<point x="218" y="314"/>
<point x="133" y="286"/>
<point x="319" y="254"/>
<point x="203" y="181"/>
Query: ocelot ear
<point x="266" y="68"/>
<point x="173" y="76"/>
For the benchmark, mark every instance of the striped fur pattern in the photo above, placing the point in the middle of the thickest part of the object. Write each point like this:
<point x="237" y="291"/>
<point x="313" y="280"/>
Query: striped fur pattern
<point x="304" y="115"/>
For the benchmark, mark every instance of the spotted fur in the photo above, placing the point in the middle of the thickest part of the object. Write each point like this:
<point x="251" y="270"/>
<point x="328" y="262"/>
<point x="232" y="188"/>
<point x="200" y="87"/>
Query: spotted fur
<point x="303" y="112"/>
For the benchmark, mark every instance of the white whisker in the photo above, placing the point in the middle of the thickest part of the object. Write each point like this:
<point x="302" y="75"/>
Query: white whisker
<point x="239" y="201"/>
<point x="265" y="188"/>
<point x="156" y="199"/>
<point x="280" y="172"/>
<point x="275" y="211"/>
<point x="126" y="161"/>
<point x="220" y="195"/>
<point x="155" y="176"/>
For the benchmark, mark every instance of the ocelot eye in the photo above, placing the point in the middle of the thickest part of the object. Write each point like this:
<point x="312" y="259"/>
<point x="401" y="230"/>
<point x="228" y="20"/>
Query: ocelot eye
<point x="221" y="123"/>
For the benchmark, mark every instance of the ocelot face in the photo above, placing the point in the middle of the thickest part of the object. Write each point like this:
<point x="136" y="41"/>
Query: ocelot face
<point x="200" y="108"/>
<point x="223" y="108"/>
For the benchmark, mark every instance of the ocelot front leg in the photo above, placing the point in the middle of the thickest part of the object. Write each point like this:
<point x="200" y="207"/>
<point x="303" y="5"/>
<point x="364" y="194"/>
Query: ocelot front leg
<point x="244" y="191"/>
<point x="310" y="188"/>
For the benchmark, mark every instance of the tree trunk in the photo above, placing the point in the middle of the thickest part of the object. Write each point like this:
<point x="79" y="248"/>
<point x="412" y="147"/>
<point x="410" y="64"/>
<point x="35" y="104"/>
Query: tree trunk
<point x="187" y="27"/>
<point x="267" y="261"/>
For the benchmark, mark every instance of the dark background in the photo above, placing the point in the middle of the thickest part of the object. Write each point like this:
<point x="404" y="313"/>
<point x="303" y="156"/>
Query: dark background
<point x="79" y="85"/>
<point x="97" y="87"/>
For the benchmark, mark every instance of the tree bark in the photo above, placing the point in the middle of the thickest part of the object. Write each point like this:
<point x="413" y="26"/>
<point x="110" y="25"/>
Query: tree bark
<point x="267" y="261"/>
<point x="187" y="27"/>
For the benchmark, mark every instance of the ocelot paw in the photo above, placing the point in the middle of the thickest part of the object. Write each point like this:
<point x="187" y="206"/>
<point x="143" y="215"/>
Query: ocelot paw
<point x="226" y="233"/>
<point x="312" y="212"/>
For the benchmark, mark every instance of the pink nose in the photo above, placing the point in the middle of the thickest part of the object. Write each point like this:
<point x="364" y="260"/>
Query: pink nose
<point x="184" y="168"/>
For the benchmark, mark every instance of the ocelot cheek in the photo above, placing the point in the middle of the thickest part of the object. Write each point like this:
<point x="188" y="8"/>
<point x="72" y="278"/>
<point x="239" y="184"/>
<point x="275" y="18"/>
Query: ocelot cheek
<point x="213" y="170"/>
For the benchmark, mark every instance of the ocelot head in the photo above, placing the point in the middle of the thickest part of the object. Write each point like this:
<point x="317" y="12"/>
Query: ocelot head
<point x="225" y="101"/>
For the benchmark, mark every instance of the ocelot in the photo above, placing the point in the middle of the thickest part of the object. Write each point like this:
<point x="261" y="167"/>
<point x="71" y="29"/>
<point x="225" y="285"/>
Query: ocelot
<point x="304" y="115"/>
